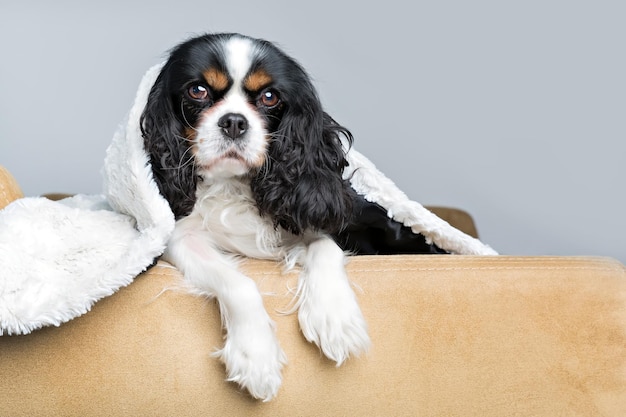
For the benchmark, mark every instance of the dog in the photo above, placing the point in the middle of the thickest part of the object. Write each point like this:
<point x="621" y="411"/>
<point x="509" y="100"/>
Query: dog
<point x="252" y="166"/>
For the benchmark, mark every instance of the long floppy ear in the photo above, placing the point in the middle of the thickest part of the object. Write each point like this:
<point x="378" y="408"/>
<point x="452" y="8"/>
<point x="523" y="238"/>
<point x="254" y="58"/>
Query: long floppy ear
<point x="301" y="186"/>
<point x="169" y="151"/>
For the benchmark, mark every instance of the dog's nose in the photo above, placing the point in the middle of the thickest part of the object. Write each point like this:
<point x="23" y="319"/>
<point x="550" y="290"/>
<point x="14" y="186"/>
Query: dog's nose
<point x="233" y="124"/>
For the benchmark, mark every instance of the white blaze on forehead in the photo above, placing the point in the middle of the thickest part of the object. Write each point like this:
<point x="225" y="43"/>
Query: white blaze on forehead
<point x="213" y="149"/>
<point x="239" y="58"/>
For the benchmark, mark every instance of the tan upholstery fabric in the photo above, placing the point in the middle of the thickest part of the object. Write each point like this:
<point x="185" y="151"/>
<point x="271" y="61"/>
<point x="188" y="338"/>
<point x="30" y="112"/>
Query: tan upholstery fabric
<point x="452" y="336"/>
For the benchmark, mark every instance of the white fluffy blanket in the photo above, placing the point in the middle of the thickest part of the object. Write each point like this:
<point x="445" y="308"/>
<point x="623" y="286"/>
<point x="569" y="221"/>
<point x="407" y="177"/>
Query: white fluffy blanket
<point x="58" y="258"/>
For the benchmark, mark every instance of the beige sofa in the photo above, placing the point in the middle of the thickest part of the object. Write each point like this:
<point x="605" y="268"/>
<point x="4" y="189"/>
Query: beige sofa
<point x="452" y="336"/>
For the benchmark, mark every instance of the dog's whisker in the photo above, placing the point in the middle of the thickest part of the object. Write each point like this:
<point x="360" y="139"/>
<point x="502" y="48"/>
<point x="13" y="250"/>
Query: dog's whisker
<point x="187" y="123"/>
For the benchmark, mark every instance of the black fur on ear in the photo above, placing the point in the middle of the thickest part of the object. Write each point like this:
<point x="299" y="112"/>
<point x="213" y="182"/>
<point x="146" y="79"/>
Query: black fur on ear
<point x="301" y="186"/>
<point x="169" y="151"/>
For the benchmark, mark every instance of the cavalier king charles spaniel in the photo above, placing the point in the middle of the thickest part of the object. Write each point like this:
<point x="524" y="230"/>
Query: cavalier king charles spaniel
<point x="251" y="165"/>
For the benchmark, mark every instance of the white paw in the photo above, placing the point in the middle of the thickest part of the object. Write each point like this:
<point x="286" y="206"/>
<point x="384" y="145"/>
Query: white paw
<point x="254" y="359"/>
<point x="331" y="318"/>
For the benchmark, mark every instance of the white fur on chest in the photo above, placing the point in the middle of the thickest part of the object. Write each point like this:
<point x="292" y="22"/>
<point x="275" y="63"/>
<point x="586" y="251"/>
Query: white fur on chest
<point x="227" y="210"/>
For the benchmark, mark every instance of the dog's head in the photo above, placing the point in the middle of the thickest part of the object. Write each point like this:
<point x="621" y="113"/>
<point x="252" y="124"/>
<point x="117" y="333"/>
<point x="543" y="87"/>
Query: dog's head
<point x="228" y="105"/>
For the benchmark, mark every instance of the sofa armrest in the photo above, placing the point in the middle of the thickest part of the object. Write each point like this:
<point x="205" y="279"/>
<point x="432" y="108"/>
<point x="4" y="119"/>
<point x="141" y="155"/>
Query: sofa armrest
<point x="9" y="189"/>
<point x="452" y="335"/>
<point x="458" y="218"/>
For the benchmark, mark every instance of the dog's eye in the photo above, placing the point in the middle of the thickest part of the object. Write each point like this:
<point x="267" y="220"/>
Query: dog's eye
<point x="269" y="98"/>
<point x="198" y="92"/>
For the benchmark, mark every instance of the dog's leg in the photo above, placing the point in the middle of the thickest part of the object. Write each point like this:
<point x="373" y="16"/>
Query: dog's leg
<point x="251" y="352"/>
<point x="328" y="311"/>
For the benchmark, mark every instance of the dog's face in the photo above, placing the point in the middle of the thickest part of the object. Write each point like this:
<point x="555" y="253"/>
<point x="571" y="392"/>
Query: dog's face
<point x="228" y="105"/>
<point x="232" y="92"/>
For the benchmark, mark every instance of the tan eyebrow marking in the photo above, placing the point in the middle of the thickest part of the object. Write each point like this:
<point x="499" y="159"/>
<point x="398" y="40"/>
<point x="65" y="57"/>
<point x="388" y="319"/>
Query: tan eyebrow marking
<point x="216" y="79"/>
<point x="257" y="80"/>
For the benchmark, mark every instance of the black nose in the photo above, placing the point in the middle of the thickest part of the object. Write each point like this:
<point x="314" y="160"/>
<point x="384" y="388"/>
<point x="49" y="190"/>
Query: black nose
<point x="233" y="124"/>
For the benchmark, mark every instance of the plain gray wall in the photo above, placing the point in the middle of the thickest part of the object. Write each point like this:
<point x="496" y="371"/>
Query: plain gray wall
<point x="513" y="111"/>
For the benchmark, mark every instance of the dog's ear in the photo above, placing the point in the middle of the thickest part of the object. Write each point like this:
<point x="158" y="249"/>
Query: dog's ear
<point x="169" y="150"/>
<point x="301" y="186"/>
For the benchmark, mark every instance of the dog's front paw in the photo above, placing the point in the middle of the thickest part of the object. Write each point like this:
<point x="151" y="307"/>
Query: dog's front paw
<point x="334" y="322"/>
<point x="254" y="360"/>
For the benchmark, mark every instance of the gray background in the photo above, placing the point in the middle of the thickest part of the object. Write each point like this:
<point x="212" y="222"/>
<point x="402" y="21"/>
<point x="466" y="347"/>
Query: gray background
<point x="513" y="111"/>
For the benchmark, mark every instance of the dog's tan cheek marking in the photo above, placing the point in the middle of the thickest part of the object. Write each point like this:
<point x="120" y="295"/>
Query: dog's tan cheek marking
<point x="257" y="80"/>
<point x="216" y="79"/>
<point x="190" y="135"/>
<point x="260" y="160"/>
